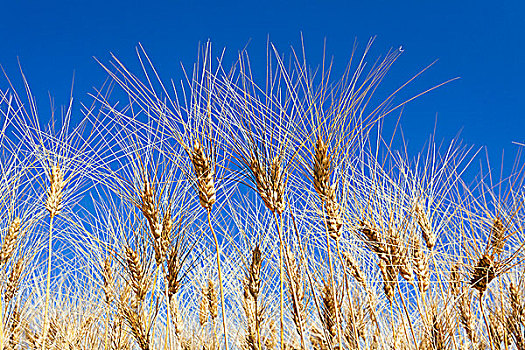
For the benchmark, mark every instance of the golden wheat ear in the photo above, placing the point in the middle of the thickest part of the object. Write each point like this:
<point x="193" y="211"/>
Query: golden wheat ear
<point x="483" y="273"/>
<point x="251" y="304"/>
<point x="421" y="267"/>
<point x="204" y="174"/>
<point x="10" y="241"/>
<point x="55" y="192"/>
<point x="425" y="226"/>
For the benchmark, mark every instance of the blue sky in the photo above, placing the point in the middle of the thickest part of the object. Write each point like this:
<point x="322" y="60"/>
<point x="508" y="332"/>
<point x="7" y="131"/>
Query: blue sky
<point x="479" y="41"/>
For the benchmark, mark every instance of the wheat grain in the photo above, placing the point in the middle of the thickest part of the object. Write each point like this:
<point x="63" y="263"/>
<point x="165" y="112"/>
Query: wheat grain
<point x="371" y="235"/>
<point x="356" y="272"/>
<point x="212" y="300"/>
<point x="55" y="193"/>
<point x="138" y="329"/>
<point x="465" y="313"/>
<point x="483" y="273"/>
<point x="420" y="265"/>
<point x="397" y="255"/>
<point x="204" y="174"/>
<point x="389" y="279"/>
<point x="426" y="227"/>
<point x="329" y="312"/>
<point x="333" y="217"/>
<point x="203" y="307"/>
<point x="136" y="273"/>
<point x="14" y="279"/>
<point x="497" y="235"/>
<point x="176" y="317"/>
<point x="269" y="183"/>
<point x="10" y="240"/>
<point x="321" y="169"/>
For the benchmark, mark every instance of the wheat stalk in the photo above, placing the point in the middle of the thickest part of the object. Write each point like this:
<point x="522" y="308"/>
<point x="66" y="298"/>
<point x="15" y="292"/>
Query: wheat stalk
<point x="204" y="174"/>
<point x="252" y="285"/>
<point x="53" y="205"/>
<point x="333" y="217"/>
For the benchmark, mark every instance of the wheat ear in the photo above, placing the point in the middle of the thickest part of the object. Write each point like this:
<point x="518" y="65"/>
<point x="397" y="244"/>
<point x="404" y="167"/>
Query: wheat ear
<point x="426" y="227"/>
<point x="296" y="290"/>
<point x="252" y="285"/>
<point x="420" y="265"/>
<point x="483" y="273"/>
<point x="497" y="235"/>
<point x="9" y="243"/>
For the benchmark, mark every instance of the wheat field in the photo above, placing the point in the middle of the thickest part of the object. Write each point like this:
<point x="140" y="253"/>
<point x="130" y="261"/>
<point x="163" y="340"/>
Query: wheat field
<point x="224" y="212"/>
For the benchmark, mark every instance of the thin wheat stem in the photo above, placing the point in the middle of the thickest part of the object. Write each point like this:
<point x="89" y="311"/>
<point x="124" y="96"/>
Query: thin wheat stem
<point x="296" y="301"/>
<point x="258" y="330"/>
<point x="168" y="320"/>
<point x="106" y="330"/>
<point x="281" y="277"/>
<point x="332" y="282"/>
<point x="345" y="279"/>
<point x="48" y="282"/>
<point x="407" y="314"/>
<point x="1" y="321"/>
<point x="485" y="319"/>
<point x="220" y="278"/>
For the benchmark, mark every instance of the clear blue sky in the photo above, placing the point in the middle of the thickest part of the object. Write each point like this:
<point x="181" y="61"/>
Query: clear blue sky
<point x="480" y="41"/>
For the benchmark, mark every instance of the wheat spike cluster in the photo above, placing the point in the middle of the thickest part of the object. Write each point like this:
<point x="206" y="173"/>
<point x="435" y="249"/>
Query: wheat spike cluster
<point x="224" y="212"/>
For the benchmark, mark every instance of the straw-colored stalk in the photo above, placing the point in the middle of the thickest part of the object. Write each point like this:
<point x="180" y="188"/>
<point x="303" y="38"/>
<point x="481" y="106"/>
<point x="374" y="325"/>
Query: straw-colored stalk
<point x="270" y="185"/>
<point x="465" y="315"/>
<point x="332" y="218"/>
<point x="515" y="320"/>
<point x="176" y="317"/>
<point x="53" y="205"/>
<point x="296" y="290"/>
<point x="355" y="323"/>
<point x="204" y="174"/>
